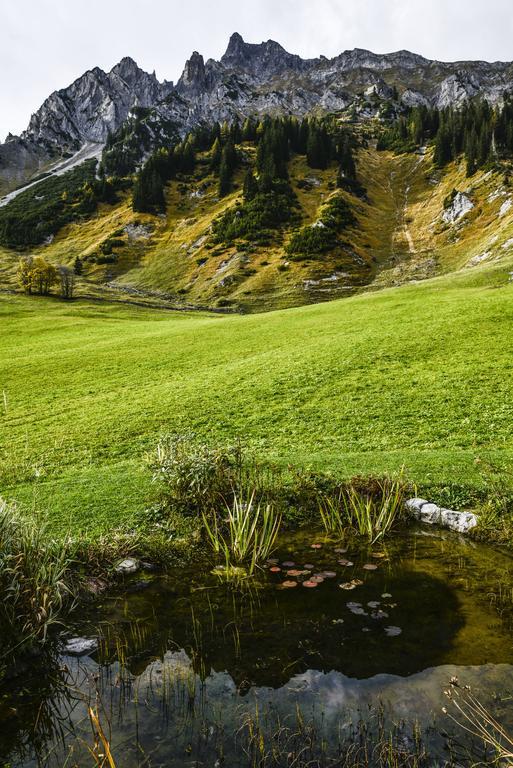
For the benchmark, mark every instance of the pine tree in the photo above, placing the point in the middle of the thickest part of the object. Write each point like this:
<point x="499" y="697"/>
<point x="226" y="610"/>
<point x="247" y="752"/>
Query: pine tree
<point x="225" y="178"/>
<point x="443" y="150"/>
<point x="318" y="147"/>
<point x="248" y="130"/>
<point x="250" y="189"/>
<point x="227" y="167"/>
<point x="471" y="151"/>
<point x="215" y="155"/>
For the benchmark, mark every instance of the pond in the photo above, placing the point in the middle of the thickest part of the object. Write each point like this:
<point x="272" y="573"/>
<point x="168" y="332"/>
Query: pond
<point x="194" y="669"/>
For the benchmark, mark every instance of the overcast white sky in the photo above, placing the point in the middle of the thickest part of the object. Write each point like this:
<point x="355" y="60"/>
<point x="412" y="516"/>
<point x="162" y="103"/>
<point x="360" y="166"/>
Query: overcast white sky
<point x="46" y="44"/>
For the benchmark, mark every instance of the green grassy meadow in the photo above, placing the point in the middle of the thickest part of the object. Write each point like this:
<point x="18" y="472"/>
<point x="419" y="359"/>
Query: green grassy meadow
<point x="420" y="376"/>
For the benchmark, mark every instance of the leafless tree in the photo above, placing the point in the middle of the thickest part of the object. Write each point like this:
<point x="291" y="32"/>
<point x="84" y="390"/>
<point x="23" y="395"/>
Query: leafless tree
<point x="67" y="277"/>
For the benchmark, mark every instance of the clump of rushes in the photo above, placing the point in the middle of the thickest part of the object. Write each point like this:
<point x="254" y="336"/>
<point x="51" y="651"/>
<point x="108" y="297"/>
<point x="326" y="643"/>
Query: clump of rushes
<point x="34" y="583"/>
<point x="251" y="532"/>
<point x="371" y="513"/>
<point x="332" y="512"/>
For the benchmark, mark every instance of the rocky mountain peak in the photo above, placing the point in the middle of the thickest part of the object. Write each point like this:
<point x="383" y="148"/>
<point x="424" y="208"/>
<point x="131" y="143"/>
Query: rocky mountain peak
<point x="237" y="48"/>
<point x="193" y="76"/>
<point x="249" y="79"/>
<point x="259" y="59"/>
<point x="129" y="71"/>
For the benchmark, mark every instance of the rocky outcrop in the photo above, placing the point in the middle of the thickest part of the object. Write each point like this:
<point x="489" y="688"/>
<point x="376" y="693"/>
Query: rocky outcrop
<point x="249" y="79"/>
<point x="80" y="646"/>
<point x="460" y="206"/>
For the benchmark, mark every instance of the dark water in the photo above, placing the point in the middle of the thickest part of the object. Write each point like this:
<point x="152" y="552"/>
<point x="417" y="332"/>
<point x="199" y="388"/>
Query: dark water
<point x="195" y="670"/>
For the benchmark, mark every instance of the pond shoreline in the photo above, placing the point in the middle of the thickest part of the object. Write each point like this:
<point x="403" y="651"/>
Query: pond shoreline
<point x="211" y="653"/>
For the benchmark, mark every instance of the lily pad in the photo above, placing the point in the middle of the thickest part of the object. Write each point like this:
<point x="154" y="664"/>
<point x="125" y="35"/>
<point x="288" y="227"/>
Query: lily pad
<point x="288" y="564"/>
<point x="317" y="578"/>
<point x="310" y="584"/>
<point x="289" y="584"/>
<point x="373" y="603"/>
<point x="379" y="614"/>
<point x="275" y="569"/>
<point x="347" y="585"/>
<point x="329" y="574"/>
<point x="357" y="609"/>
<point x="370" y="567"/>
<point x="340" y="551"/>
<point x="294" y="572"/>
<point x="316" y="546"/>
<point x="393" y="631"/>
<point x="309" y="566"/>
<point x="386" y="595"/>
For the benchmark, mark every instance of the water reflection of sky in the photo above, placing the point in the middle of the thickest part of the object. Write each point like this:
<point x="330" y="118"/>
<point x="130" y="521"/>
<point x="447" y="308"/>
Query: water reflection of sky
<point x="168" y="708"/>
<point x="266" y="660"/>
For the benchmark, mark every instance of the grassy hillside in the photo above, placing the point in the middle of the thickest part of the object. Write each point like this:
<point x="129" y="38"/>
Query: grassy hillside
<point x="419" y="375"/>
<point x="398" y="235"/>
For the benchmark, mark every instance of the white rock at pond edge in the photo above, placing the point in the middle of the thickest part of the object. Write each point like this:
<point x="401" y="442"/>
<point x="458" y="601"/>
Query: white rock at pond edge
<point x="128" y="565"/>
<point x="429" y="513"/>
<point x="81" y="646"/>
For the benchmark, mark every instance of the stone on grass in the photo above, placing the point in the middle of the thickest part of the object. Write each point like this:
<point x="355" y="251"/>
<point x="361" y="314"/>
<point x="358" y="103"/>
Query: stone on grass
<point x="126" y="566"/>
<point x="432" y="514"/>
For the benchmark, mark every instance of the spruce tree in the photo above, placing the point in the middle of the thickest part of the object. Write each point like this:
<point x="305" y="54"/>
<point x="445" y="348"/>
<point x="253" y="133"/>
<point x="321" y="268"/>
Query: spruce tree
<point x="250" y="189"/>
<point x="215" y="155"/>
<point x="471" y="151"/>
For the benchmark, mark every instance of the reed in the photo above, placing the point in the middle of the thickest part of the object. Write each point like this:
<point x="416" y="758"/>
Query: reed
<point x="251" y="532"/>
<point x="101" y="751"/>
<point x="34" y="581"/>
<point x="371" y="514"/>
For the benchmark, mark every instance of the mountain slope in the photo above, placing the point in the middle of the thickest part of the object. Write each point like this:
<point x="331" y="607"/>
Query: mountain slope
<point x="249" y="79"/>
<point x="400" y="234"/>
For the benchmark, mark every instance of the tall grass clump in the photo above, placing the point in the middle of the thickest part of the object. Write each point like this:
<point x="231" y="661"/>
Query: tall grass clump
<point x="194" y="476"/>
<point x="251" y="531"/>
<point x="368" y="509"/>
<point x="34" y="588"/>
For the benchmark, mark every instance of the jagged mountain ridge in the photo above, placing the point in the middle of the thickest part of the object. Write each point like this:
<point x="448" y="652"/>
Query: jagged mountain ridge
<point x="249" y="79"/>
